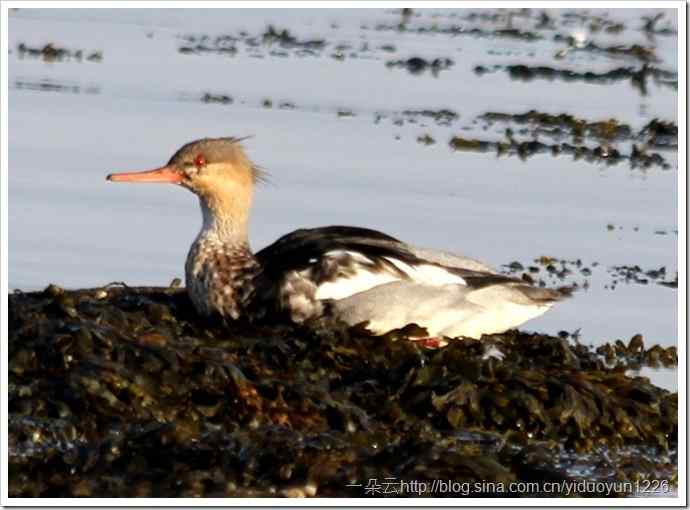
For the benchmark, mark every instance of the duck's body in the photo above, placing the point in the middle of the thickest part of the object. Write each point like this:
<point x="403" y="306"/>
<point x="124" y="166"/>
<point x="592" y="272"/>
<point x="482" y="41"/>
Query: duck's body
<point x="356" y="275"/>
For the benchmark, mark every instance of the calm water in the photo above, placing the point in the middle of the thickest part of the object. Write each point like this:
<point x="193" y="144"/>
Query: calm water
<point x="71" y="122"/>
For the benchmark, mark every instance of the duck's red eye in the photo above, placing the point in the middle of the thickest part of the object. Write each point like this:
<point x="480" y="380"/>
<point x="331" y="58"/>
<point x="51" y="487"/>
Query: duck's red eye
<point x="200" y="161"/>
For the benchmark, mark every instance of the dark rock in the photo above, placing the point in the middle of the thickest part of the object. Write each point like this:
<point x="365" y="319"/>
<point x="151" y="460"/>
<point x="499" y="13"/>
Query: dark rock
<point x="134" y="395"/>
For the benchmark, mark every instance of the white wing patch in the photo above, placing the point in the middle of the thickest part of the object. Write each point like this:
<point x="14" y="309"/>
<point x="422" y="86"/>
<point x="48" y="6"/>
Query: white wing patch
<point x="428" y="274"/>
<point x="361" y="276"/>
<point x="359" y="282"/>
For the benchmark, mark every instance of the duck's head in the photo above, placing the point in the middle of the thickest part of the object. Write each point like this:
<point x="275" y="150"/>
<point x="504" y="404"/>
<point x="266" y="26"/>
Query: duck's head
<point x="202" y="166"/>
<point x="215" y="169"/>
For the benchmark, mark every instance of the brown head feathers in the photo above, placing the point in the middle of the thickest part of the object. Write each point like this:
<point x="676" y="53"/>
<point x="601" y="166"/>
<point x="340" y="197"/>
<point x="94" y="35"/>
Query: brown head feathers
<point x="217" y="150"/>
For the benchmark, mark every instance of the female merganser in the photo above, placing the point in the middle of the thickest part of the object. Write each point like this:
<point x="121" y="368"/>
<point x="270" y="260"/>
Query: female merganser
<point x="360" y="276"/>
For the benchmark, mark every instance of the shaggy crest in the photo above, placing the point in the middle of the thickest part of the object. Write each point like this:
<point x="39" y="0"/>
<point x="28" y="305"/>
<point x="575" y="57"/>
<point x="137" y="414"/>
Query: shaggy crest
<point x="218" y="150"/>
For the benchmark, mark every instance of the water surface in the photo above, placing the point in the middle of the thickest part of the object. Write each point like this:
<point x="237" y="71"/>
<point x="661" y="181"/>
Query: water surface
<point x="71" y="122"/>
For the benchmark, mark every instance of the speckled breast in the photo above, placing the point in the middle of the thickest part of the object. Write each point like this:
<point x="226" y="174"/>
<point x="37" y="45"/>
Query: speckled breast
<point x="220" y="278"/>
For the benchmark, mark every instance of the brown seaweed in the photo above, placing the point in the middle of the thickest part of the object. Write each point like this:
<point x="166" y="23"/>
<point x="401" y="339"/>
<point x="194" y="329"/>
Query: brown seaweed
<point x="552" y="271"/>
<point x="638" y="77"/>
<point x="123" y="391"/>
<point x="52" y="53"/>
<point x="418" y="65"/>
<point x="603" y="152"/>
<point x="227" y="44"/>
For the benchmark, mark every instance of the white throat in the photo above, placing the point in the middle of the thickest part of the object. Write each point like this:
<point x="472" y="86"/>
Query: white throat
<point x="221" y="229"/>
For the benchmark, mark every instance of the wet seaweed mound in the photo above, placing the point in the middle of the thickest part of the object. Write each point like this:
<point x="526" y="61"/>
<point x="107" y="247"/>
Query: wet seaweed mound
<point x="124" y="392"/>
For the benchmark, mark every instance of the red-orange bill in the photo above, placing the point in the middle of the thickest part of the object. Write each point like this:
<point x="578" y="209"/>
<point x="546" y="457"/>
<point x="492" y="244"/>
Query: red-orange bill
<point x="163" y="174"/>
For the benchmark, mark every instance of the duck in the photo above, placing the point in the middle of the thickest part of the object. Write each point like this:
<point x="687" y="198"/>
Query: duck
<point x="357" y="276"/>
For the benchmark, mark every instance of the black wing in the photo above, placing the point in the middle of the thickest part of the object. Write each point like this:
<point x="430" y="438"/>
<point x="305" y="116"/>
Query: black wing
<point x="297" y="250"/>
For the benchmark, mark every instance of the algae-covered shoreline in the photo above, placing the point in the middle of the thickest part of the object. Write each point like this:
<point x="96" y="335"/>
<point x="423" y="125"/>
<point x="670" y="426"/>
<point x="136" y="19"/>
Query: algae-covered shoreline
<point x="543" y="141"/>
<point x="123" y="392"/>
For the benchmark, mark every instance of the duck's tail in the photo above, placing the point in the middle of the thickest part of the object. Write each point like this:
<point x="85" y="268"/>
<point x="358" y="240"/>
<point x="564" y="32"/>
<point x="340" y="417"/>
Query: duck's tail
<point x="542" y="295"/>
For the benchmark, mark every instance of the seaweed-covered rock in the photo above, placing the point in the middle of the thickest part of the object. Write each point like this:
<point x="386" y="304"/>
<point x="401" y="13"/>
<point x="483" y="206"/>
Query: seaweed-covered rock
<point x="123" y="391"/>
<point x="638" y="77"/>
<point x="417" y="65"/>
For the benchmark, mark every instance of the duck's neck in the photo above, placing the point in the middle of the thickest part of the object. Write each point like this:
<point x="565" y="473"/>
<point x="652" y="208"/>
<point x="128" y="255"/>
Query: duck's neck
<point x="224" y="225"/>
<point x="220" y="268"/>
